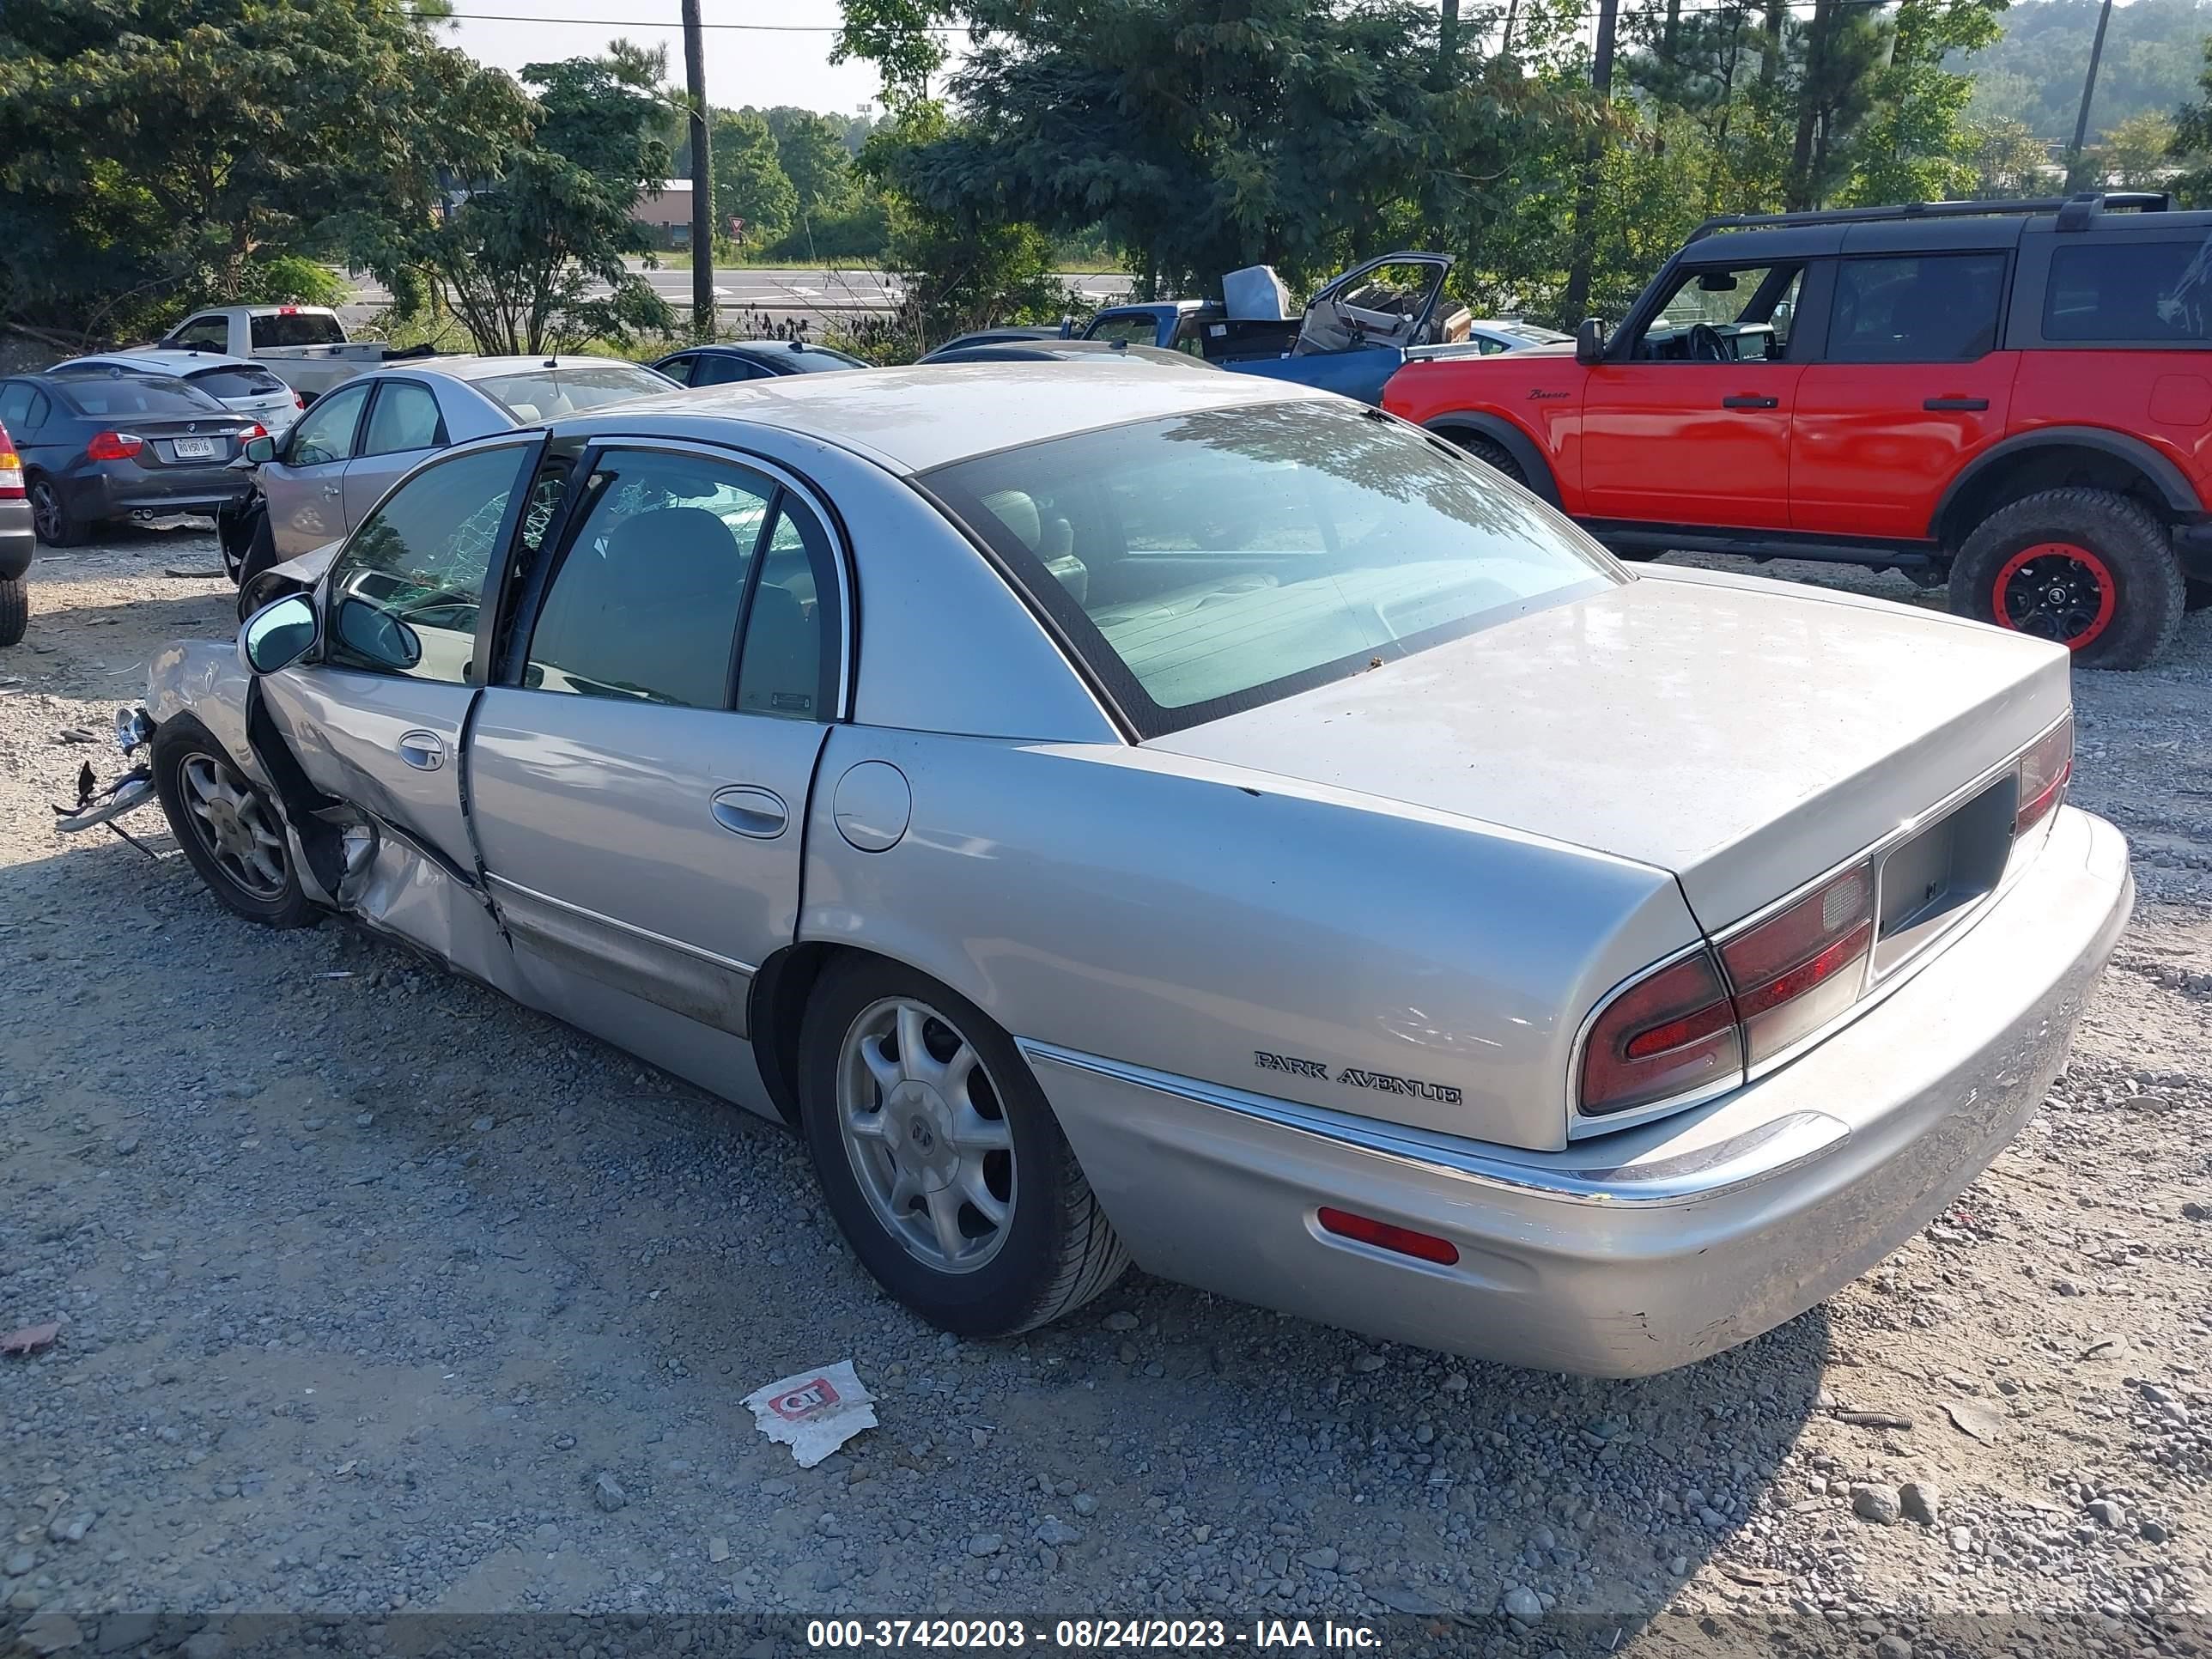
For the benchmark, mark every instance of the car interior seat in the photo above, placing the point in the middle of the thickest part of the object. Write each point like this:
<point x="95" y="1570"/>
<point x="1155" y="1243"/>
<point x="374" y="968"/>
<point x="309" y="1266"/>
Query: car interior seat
<point x="661" y="601"/>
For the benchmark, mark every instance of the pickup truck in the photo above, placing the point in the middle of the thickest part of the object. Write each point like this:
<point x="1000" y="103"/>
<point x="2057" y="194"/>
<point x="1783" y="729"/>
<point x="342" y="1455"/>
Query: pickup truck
<point x="1352" y="337"/>
<point x="304" y="346"/>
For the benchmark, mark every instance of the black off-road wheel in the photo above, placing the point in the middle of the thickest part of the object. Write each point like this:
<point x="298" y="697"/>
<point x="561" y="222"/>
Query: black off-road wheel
<point x="51" y="521"/>
<point x="232" y="833"/>
<point x="2088" y="569"/>
<point x="1494" y="455"/>
<point x="15" y="609"/>
<point x="941" y="1158"/>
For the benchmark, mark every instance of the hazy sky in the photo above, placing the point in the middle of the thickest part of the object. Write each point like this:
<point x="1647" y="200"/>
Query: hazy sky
<point x="743" y="66"/>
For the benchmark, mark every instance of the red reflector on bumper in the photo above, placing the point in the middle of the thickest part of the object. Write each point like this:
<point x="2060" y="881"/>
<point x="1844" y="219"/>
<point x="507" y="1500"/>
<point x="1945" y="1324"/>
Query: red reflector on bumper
<point x="1404" y="1241"/>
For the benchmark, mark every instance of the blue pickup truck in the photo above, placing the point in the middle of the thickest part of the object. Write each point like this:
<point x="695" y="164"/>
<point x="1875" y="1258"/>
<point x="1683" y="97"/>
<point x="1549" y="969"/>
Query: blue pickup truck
<point x="1352" y="337"/>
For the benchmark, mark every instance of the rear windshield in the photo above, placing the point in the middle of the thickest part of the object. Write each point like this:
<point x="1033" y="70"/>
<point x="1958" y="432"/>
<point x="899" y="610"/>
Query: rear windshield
<point x="1212" y="561"/>
<point x="297" y="328"/>
<point x="543" y="394"/>
<point x="2130" y="290"/>
<point x="819" y="357"/>
<point x="135" y="394"/>
<point x="236" y="382"/>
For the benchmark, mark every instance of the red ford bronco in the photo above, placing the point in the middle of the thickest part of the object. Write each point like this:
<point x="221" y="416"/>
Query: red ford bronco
<point x="2015" y="397"/>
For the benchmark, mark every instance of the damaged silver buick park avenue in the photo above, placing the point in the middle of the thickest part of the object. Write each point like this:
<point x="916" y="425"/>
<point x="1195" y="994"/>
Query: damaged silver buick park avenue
<point x="1183" y="818"/>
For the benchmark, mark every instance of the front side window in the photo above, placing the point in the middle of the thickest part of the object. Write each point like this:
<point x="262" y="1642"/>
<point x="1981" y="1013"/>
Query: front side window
<point x="2135" y="290"/>
<point x="1211" y="561"/>
<point x="325" y="433"/>
<point x="203" y="334"/>
<point x="406" y="416"/>
<point x="645" y="602"/>
<point x="678" y="369"/>
<point x="406" y="588"/>
<point x="719" y="369"/>
<point x="1921" y="308"/>
<point x="1717" y="315"/>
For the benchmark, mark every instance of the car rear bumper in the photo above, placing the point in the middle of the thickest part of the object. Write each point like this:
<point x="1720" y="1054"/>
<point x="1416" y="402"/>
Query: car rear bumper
<point x="113" y="490"/>
<point x="1637" y="1252"/>
<point x="18" y="543"/>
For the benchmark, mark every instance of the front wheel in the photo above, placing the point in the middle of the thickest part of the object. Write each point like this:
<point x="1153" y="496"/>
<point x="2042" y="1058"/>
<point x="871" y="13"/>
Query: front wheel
<point x="1495" y="456"/>
<point x="232" y="833"/>
<point x="941" y="1158"/>
<point x="2088" y="569"/>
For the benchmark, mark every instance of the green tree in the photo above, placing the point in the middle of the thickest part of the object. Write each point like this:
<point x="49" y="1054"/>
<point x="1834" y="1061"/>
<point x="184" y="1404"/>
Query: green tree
<point x="2136" y="154"/>
<point x="1913" y="146"/>
<point x="811" y="149"/>
<point x="151" y="153"/>
<point x="2008" y="160"/>
<point x="532" y="259"/>
<point x="749" y="183"/>
<point x="2191" y="146"/>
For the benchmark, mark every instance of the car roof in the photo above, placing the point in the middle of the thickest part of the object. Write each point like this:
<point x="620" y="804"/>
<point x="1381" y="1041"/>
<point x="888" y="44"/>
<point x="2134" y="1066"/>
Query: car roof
<point x="466" y="369"/>
<point x="1047" y="351"/>
<point x="914" y="419"/>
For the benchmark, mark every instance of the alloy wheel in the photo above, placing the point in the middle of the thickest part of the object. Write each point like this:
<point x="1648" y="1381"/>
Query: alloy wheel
<point x="925" y="1128"/>
<point x="47" y="512"/>
<point x="234" y="826"/>
<point x="2057" y="591"/>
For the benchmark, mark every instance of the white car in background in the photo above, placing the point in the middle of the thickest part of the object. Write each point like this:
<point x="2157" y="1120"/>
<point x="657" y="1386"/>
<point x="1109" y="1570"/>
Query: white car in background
<point x="242" y="387"/>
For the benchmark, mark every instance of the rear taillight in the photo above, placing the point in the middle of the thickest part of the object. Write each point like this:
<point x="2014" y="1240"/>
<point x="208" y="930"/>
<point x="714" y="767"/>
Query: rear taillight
<point x="11" y="469"/>
<point x="1804" y="965"/>
<point x="1671" y="1034"/>
<point x="257" y="431"/>
<point x="2044" y="772"/>
<point x="113" y="446"/>
<point x="298" y="402"/>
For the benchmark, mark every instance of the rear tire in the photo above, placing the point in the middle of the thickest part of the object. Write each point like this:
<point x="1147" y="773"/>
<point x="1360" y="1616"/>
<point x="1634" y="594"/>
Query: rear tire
<point x="51" y="518"/>
<point x="896" y="1137"/>
<point x="15" y="609"/>
<point x="232" y="833"/>
<point x="2086" y="568"/>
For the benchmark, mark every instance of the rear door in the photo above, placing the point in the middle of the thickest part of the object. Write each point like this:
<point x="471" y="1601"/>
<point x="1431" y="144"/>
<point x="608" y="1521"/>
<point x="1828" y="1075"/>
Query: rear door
<point x="375" y="717"/>
<point x="1687" y="421"/>
<point x="1910" y="387"/>
<point x="305" y="485"/>
<point x="404" y="427"/>
<point x="638" y="781"/>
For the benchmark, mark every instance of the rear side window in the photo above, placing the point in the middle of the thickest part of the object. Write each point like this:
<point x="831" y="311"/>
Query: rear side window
<point x="15" y="406"/>
<point x="138" y="394"/>
<point x="297" y="328"/>
<point x="236" y="382"/>
<point x="645" y="602"/>
<point x="204" y="334"/>
<point x="1922" y="308"/>
<point x="2134" y="289"/>
<point x="786" y="666"/>
<point x="404" y="416"/>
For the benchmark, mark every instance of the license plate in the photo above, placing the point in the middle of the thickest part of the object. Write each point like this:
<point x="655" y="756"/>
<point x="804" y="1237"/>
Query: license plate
<point x="196" y="449"/>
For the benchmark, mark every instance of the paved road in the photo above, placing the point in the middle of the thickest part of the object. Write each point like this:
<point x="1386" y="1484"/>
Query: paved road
<point x="816" y="293"/>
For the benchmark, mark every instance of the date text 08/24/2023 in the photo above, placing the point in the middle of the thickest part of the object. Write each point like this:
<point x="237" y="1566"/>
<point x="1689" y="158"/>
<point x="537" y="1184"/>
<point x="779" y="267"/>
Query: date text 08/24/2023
<point x="1090" y="1634"/>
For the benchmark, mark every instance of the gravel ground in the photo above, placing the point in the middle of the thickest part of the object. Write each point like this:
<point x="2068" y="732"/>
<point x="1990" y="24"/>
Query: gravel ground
<point x="379" y="1293"/>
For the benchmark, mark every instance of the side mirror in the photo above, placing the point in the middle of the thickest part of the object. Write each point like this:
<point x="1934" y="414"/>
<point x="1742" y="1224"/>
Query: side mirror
<point x="260" y="449"/>
<point x="1589" y="340"/>
<point x="279" y="633"/>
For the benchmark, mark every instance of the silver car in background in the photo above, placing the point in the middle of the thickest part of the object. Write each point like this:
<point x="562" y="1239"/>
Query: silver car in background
<point x="241" y="386"/>
<point x="357" y="441"/>
<point x="1184" y="818"/>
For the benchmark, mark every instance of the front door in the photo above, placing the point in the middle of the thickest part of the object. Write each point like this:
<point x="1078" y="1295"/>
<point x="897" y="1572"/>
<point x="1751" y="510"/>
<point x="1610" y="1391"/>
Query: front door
<point x="376" y="717"/>
<point x="404" y="427"/>
<point x="1687" y="420"/>
<point x="1384" y="302"/>
<point x="1910" y="387"/>
<point x="305" y="485"/>
<point x="639" y="780"/>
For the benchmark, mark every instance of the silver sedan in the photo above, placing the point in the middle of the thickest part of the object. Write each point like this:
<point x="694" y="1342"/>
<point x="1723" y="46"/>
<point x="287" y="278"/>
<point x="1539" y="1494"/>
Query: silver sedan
<point x="323" y="477"/>
<point x="1182" y="818"/>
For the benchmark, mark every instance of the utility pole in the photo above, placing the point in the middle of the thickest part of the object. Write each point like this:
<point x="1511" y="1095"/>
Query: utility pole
<point x="1577" y="298"/>
<point x="2074" y="180"/>
<point x="702" y="178"/>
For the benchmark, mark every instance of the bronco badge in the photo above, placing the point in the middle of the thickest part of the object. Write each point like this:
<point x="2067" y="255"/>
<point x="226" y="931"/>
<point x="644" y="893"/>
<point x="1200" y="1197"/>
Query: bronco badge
<point x="1443" y="1093"/>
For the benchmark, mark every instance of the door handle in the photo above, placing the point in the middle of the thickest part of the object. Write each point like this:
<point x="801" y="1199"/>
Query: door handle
<point x="1955" y="403"/>
<point x="1749" y="400"/>
<point x="758" y="814"/>
<point x="423" y="751"/>
<point x="332" y="492"/>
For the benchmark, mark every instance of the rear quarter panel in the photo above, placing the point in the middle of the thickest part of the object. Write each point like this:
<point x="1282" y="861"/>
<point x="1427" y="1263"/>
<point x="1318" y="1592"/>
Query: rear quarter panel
<point x="2163" y="397"/>
<point x="1190" y="916"/>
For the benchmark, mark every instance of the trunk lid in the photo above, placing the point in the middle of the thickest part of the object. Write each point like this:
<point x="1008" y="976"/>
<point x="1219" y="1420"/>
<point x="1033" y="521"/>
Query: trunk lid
<point x="1744" y="734"/>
